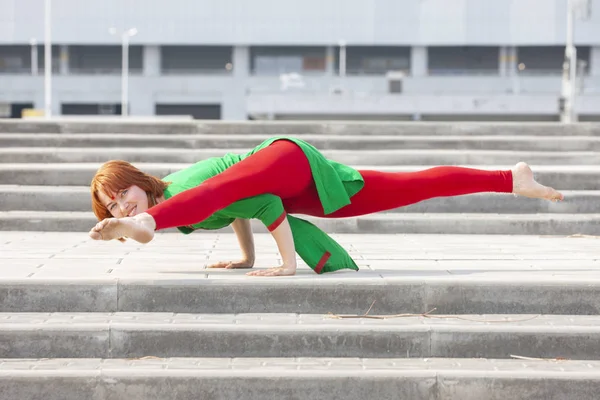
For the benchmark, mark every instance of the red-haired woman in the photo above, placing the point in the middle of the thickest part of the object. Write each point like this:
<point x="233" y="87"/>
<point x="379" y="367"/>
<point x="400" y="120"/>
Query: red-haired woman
<point x="281" y="176"/>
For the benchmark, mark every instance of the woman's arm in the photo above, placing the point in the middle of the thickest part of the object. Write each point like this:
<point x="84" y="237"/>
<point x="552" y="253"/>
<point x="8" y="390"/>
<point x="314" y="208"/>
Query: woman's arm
<point x="285" y="243"/>
<point x="243" y="232"/>
<point x="269" y="210"/>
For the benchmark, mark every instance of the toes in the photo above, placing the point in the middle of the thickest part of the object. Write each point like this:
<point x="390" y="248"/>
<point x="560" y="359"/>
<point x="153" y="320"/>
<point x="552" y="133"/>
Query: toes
<point x="95" y="235"/>
<point x="554" y="195"/>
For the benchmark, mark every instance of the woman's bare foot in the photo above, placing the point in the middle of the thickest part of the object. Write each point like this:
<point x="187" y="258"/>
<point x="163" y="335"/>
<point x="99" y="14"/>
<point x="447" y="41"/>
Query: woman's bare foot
<point x="139" y="228"/>
<point x="525" y="185"/>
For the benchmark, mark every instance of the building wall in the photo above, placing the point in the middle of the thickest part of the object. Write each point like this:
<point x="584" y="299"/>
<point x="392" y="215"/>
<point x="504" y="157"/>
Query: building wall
<point x="456" y="56"/>
<point x="300" y="22"/>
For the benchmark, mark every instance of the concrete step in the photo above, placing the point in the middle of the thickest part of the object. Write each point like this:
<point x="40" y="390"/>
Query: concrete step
<point x="89" y="285"/>
<point x="156" y="126"/>
<point x="456" y="274"/>
<point x="241" y="143"/>
<point x="77" y="198"/>
<point x="354" y="157"/>
<point x="130" y="335"/>
<point x="563" y="177"/>
<point x="298" y="378"/>
<point x="392" y="223"/>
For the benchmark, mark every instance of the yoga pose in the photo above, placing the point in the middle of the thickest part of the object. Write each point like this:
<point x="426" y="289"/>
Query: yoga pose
<point x="279" y="177"/>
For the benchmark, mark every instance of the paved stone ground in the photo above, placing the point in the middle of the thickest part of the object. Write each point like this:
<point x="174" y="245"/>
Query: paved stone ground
<point x="346" y="365"/>
<point x="174" y="257"/>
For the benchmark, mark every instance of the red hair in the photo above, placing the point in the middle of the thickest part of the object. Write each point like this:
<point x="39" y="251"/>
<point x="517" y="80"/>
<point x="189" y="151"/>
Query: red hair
<point x="117" y="175"/>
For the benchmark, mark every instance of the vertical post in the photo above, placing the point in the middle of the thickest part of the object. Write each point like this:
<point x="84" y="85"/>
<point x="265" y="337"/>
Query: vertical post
<point x="512" y="68"/>
<point x="418" y="61"/>
<point x="125" y="35"/>
<point x="342" y="59"/>
<point x="342" y="70"/>
<point x="34" y="57"/>
<point x="63" y="65"/>
<point x="329" y="61"/>
<point x="124" y="75"/>
<point x="502" y="60"/>
<point x="48" y="59"/>
<point x="568" y="76"/>
<point x="573" y="82"/>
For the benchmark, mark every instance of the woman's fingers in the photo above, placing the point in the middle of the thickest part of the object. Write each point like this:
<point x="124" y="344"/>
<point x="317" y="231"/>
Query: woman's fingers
<point x="277" y="271"/>
<point x="220" y="264"/>
<point x="231" y="264"/>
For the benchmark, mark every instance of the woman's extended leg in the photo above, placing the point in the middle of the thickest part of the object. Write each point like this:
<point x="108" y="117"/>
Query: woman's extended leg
<point x="388" y="190"/>
<point x="281" y="169"/>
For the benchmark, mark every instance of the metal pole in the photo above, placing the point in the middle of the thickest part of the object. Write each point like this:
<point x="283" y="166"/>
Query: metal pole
<point x="48" y="59"/>
<point x="342" y="59"/>
<point x="124" y="75"/>
<point x="568" y="73"/>
<point x="342" y="66"/>
<point x="34" y="57"/>
<point x="514" y="70"/>
<point x="573" y="82"/>
<point x="581" y="74"/>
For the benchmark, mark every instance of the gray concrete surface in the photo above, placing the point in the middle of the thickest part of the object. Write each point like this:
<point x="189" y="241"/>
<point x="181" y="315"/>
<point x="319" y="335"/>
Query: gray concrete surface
<point x="328" y="144"/>
<point x="62" y="294"/>
<point x="563" y="177"/>
<point x="456" y="274"/>
<point x="379" y="157"/>
<point x="390" y="223"/>
<point x="300" y="127"/>
<point x="78" y="199"/>
<point x="274" y="379"/>
<point x="127" y="335"/>
<point x="414" y="142"/>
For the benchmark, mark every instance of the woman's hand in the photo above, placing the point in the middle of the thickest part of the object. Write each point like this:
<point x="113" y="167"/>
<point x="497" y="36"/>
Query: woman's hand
<point x="284" y="270"/>
<point x="285" y="243"/>
<point x="233" y="264"/>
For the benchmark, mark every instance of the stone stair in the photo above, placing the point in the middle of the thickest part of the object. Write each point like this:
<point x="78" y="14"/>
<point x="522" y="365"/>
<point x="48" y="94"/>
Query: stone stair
<point x="56" y="160"/>
<point x="467" y="298"/>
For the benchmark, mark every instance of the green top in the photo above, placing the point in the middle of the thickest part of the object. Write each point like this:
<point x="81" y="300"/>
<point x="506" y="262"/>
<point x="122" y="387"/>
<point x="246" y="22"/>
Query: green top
<point x="336" y="184"/>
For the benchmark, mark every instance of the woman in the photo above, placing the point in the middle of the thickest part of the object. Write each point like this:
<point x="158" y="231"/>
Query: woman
<point x="282" y="175"/>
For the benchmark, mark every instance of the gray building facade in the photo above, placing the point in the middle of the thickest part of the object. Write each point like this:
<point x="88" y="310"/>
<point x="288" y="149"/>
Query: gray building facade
<point x="263" y="59"/>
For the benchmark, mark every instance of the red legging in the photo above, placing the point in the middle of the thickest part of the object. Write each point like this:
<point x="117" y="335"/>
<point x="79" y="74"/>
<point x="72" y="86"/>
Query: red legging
<point x="282" y="169"/>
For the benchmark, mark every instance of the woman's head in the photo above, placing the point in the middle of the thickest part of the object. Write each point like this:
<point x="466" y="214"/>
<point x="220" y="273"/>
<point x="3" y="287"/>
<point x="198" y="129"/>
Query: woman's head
<point x="119" y="190"/>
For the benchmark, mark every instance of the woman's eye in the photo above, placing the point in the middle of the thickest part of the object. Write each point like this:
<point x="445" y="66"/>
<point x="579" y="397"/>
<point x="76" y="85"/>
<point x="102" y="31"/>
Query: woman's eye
<point x="123" y="193"/>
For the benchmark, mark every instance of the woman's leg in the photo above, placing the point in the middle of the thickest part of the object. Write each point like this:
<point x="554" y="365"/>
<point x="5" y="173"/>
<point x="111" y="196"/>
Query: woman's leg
<point x="281" y="169"/>
<point x="388" y="190"/>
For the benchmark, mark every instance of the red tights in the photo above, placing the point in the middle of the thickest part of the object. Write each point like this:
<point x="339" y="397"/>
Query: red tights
<point x="283" y="170"/>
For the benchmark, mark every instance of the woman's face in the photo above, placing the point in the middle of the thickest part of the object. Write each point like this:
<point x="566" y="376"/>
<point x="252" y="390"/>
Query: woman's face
<point x="126" y="202"/>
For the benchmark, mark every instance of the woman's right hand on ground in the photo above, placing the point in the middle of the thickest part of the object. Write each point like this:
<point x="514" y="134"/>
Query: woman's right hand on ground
<point x="232" y="264"/>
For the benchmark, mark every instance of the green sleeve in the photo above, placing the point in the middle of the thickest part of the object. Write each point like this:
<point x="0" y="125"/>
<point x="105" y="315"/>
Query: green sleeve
<point x="318" y="250"/>
<point x="267" y="208"/>
<point x="315" y="247"/>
